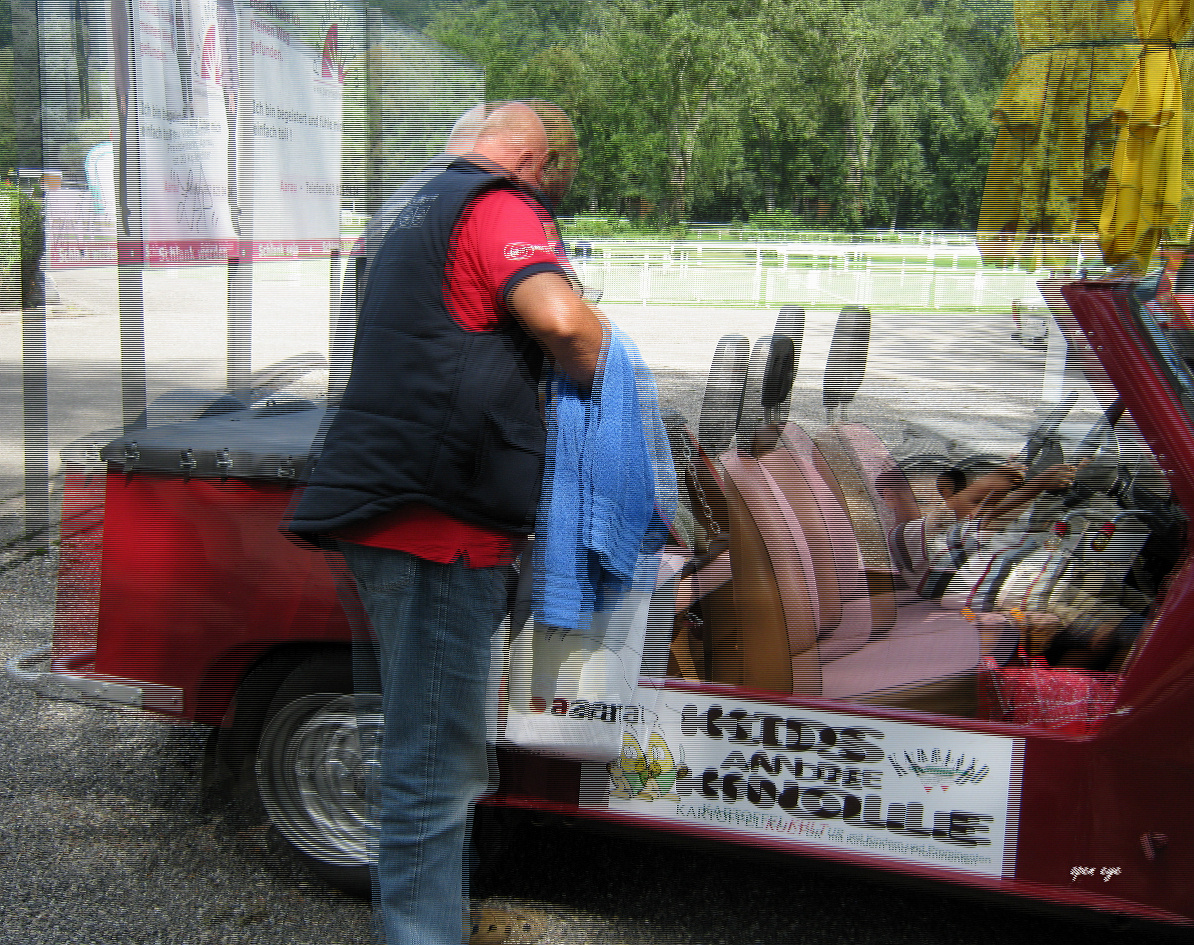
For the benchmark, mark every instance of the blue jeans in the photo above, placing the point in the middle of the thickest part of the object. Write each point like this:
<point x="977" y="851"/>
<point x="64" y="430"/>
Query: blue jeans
<point x="432" y="623"/>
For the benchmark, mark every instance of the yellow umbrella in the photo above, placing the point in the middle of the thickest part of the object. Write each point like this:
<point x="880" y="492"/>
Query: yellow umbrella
<point x="1144" y="192"/>
<point x="1053" y="148"/>
<point x="1183" y="227"/>
<point x="1018" y="114"/>
<point x="1099" y="64"/>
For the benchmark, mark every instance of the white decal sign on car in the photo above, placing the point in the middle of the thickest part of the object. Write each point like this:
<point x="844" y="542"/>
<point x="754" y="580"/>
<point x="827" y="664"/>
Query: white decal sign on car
<point x="916" y="793"/>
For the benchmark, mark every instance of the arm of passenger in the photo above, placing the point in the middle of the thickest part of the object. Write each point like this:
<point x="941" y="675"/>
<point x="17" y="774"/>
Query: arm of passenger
<point x="1060" y="476"/>
<point x="561" y="321"/>
<point x="966" y="502"/>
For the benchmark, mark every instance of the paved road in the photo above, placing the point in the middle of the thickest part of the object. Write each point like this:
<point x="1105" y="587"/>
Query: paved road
<point x="104" y="834"/>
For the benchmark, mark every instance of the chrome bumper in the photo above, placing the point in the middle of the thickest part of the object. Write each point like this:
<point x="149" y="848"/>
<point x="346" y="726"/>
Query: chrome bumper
<point x="32" y="669"/>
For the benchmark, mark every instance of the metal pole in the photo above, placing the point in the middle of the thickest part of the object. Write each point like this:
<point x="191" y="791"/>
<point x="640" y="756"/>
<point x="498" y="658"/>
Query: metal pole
<point x="35" y="399"/>
<point x="239" y="343"/>
<point x="131" y="248"/>
<point x="132" y="336"/>
<point x="334" y="284"/>
<point x="31" y="251"/>
<point x="341" y="324"/>
<point x="239" y="340"/>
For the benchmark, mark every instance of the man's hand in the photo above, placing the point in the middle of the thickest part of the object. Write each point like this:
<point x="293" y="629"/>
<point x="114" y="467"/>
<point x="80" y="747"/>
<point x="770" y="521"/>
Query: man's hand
<point x="562" y="322"/>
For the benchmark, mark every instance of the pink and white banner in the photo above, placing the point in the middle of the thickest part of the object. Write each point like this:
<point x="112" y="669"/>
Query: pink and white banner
<point x="236" y="126"/>
<point x="298" y="91"/>
<point x="182" y="123"/>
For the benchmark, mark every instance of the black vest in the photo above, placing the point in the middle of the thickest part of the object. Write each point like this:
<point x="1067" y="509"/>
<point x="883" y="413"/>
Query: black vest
<point x="433" y="413"/>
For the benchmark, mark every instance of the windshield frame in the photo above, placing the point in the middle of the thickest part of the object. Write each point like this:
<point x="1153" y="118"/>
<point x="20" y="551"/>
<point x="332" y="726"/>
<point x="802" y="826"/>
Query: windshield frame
<point x="1173" y="367"/>
<point x="1140" y="372"/>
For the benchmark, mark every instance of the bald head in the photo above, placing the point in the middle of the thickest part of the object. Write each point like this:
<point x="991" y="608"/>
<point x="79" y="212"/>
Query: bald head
<point x="513" y="124"/>
<point x="464" y="132"/>
<point x="563" y="156"/>
<point x="514" y="138"/>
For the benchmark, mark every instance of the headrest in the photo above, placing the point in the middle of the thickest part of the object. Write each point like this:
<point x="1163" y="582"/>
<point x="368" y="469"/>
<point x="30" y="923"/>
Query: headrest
<point x="779" y="372"/>
<point x="722" y="406"/>
<point x="846" y="365"/>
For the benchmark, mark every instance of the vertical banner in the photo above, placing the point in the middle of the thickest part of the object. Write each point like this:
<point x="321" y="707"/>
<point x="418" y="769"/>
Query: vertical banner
<point x="298" y="92"/>
<point x="182" y="132"/>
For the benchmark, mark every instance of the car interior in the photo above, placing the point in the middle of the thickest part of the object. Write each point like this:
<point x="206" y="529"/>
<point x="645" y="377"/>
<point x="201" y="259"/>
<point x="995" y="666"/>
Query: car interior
<point x="789" y="585"/>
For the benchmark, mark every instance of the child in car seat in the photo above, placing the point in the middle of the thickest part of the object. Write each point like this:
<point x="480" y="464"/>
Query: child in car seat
<point x="919" y="538"/>
<point x="940" y="540"/>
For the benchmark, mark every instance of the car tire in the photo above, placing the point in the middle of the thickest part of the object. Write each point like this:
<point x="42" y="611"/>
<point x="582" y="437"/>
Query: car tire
<point x="313" y="773"/>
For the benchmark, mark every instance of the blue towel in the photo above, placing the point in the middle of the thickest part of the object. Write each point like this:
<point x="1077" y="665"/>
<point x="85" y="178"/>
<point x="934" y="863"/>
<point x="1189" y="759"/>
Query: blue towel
<point x="609" y="487"/>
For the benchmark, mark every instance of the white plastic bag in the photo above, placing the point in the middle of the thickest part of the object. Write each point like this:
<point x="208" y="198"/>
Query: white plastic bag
<point x="568" y="690"/>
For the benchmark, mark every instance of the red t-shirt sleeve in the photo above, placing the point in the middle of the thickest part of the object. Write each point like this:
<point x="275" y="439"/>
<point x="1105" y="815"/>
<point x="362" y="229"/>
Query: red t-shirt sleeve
<point x="501" y="239"/>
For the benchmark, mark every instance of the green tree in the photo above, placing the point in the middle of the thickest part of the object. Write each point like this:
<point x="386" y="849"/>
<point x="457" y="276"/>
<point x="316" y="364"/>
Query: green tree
<point x="699" y="56"/>
<point x="8" y="146"/>
<point x="883" y="73"/>
<point x="718" y="109"/>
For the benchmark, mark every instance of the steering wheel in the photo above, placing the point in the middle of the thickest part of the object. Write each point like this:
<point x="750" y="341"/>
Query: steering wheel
<point x="1100" y="451"/>
<point x="1044" y="433"/>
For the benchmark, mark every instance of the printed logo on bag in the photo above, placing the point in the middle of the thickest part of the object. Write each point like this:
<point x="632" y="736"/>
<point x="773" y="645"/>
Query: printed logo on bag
<point x="582" y="709"/>
<point x="1102" y="538"/>
<point x="933" y="769"/>
<point x="518" y="251"/>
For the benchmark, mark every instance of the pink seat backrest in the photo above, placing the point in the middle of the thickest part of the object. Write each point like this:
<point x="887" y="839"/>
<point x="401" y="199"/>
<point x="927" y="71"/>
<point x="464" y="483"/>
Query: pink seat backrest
<point x="775" y="591"/>
<point x="877" y="465"/>
<point x="846" y="619"/>
<point x="844" y="467"/>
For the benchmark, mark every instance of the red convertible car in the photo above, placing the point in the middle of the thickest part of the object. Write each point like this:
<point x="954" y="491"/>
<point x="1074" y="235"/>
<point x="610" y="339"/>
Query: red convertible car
<point x="835" y="667"/>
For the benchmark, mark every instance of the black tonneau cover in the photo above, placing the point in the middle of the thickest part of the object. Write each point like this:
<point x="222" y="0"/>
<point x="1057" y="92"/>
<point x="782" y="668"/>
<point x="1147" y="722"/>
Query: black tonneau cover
<point x="267" y="442"/>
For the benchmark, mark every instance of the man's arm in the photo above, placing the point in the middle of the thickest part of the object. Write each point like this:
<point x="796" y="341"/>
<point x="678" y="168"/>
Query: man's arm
<point x="561" y="321"/>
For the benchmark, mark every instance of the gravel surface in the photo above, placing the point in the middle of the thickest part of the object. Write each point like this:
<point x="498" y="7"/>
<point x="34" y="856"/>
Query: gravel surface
<point x="105" y="837"/>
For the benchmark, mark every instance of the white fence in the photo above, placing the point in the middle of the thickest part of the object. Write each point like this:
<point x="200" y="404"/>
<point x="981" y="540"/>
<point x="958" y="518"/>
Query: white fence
<point x="923" y="288"/>
<point x="914" y="270"/>
<point x="651" y="282"/>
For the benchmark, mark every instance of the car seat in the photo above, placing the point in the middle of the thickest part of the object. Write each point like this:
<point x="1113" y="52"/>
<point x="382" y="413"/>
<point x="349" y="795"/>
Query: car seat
<point x="706" y="577"/>
<point x="928" y="661"/>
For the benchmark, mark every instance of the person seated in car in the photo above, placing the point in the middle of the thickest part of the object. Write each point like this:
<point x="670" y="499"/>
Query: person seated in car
<point x="951" y="482"/>
<point x="951" y="530"/>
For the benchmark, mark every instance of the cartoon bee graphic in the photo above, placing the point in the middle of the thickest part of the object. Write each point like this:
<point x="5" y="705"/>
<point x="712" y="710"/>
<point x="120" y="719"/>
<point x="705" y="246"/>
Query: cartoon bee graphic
<point x="649" y="775"/>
